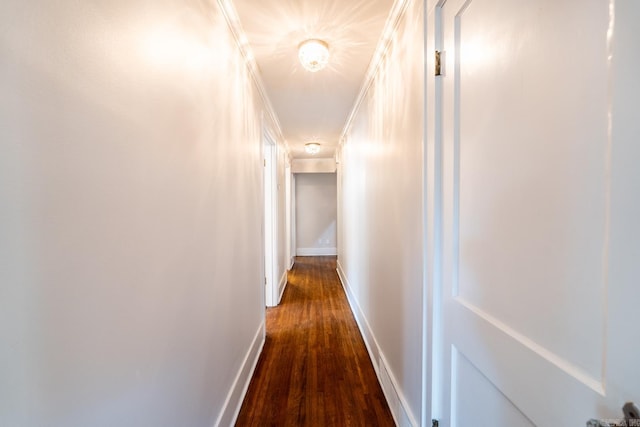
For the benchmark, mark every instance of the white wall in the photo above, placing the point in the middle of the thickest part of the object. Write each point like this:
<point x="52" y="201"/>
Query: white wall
<point x="130" y="215"/>
<point x="380" y="217"/>
<point x="313" y="165"/>
<point x="316" y="206"/>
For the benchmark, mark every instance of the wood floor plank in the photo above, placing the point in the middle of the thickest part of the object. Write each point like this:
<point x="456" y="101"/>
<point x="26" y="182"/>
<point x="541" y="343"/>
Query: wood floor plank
<point x="314" y="369"/>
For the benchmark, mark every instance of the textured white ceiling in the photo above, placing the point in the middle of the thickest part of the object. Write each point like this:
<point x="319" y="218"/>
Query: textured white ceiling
<point x="312" y="106"/>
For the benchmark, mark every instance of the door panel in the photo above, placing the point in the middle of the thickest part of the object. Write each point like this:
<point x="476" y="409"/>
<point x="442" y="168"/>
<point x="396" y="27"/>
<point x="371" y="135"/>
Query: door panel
<point x="543" y="219"/>
<point x="526" y="211"/>
<point x="494" y="407"/>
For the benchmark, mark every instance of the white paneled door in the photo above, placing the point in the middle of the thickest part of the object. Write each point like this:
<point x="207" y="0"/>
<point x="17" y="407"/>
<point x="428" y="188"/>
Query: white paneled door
<point x="537" y="324"/>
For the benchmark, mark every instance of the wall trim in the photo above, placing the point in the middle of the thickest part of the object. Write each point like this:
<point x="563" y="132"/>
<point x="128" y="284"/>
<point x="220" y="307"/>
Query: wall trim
<point x="316" y="251"/>
<point x="282" y="286"/>
<point x="367" y="334"/>
<point x="233" y="20"/>
<point x="402" y="415"/>
<point x="400" y="410"/>
<point x="390" y="27"/>
<point x="235" y="397"/>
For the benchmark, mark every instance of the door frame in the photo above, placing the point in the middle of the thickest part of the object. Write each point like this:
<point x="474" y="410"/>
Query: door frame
<point x="432" y="322"/>
<point x="289" y="217"/>
<point x="270" y="180"/>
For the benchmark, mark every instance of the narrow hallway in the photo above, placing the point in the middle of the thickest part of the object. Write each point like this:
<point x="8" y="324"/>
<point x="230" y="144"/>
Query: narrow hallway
<point x="314" y="369"/>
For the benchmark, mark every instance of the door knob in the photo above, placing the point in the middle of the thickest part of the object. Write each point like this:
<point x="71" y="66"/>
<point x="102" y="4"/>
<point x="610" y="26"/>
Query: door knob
<point x="631" y="418"/>
<point x="631" y="414"/>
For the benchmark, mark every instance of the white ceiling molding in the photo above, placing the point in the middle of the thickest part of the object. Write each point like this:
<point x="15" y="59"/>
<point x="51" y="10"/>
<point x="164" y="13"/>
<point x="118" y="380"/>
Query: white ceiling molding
<point x="231" y="16"/>
<point x="391" y="25"/>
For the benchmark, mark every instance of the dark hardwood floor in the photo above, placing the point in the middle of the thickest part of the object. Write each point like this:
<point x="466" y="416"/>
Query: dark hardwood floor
<point x="315" y="369"/>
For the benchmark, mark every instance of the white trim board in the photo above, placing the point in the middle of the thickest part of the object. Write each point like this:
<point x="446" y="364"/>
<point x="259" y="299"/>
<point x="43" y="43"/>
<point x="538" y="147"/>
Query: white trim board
<point x="384" y="43"/>
<point x="233" y="21"/>
<point x="402" y="415"/>
<point x="282" y="286"/>
<point x="316" y="251"/>
<point x="233" y="402"/>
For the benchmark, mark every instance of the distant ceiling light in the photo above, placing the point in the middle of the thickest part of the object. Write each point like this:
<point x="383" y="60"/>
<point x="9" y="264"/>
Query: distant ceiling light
<point x="313" y="54"/>
<point x="312" y="147"/>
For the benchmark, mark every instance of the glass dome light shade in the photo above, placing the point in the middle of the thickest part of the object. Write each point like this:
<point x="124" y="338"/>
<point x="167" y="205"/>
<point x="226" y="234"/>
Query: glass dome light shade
<point x="312" y="148"/>
<point x="313" y="54"/>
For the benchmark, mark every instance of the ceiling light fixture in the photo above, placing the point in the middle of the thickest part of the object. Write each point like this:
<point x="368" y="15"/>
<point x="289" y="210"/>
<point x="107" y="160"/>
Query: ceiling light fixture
<point x="312" y="147"/>
<point x="313" y="54"/>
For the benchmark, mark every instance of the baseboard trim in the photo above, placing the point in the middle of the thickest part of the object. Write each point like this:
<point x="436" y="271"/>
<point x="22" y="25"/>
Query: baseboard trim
<point x="282" y="286"/>
<point x="402" y="415"/>
<point x="395" y="398"/>
<point x="316" y="251"/>
<point x="367" y="334"/>
<point x="233" y="402"/>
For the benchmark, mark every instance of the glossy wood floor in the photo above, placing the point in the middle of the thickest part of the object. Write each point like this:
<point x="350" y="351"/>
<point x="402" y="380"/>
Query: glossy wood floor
<point x="315" y="369"/>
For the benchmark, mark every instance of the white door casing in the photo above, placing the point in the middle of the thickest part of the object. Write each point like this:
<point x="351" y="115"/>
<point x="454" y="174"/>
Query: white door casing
<point x="270" y="220"/>
<point x="533" y="224"/>
<point x="288" y="223"/>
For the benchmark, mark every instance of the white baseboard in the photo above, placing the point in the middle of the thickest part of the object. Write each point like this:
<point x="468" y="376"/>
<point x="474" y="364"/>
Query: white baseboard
<point x="402" y="415"/>
<point x="367" y="334"/>
<point x="316" y="251"/>
<point x="281" y="286"/>
<point x="291" y="262"/>
<point x="233" y="402"/>
<point x="397" y="403"/>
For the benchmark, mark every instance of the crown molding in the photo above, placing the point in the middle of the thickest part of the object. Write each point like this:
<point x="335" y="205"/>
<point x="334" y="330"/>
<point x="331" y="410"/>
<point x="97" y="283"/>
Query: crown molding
<point x="233" y="20"/>
<point x="384" y="43"/>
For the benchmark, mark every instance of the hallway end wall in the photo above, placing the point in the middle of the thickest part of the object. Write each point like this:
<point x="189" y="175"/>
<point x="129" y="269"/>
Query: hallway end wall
<point x="316" y="214"/>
